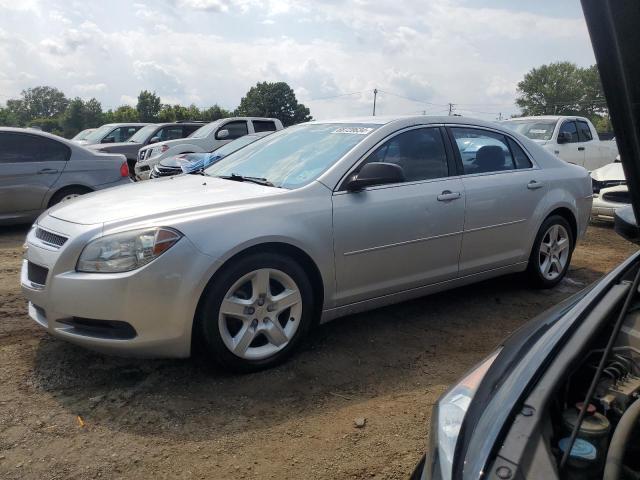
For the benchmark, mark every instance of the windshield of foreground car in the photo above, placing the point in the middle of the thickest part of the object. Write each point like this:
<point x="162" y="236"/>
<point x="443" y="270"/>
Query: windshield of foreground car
<point x="141" y="135"/>
<point x="295" y="156"/>
<point x="205" y="130"/>
<point x="534" y="129"/>
<point x="99" y="134"/>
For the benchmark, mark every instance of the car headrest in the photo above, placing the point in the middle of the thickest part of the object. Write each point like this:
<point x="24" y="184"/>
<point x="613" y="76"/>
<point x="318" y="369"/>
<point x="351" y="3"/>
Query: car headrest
<point x="490" y="158"/>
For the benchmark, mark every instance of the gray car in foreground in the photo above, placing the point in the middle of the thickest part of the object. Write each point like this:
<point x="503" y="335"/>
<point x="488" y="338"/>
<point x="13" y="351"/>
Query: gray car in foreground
<point x="311" y="223"/>
<point x="39" y="170"/>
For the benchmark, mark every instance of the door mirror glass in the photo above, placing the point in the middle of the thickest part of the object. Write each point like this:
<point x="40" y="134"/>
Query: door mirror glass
<point x="222" y="134"/>
<point x="376" y="173"/>
<point x="564" y="137"/>
<point x="154" y="140"/>
<point x="108" y="140"/>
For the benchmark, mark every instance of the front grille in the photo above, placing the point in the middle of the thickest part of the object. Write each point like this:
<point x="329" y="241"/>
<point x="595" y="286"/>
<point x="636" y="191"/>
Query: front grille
<point x="599" y="185"/>
<point x="50" y="238"/>
<point x="161" y="171"/>
<point x="37" y="274"/>
<point x="619" y="197"/>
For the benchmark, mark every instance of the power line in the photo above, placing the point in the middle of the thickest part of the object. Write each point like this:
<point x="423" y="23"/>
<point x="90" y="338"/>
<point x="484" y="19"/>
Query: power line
<point x="335" y="96"/>
<point x="412" y="99"/>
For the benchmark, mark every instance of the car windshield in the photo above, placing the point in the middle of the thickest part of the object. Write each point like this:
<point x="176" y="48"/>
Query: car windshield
<point x="295" y="156"/>
<point x="205" y="130"/>
<point x="99" y="134"/>
<point x="534" y="129"/>
<point x="83" y="134"/>
<point x="141" y="135"/>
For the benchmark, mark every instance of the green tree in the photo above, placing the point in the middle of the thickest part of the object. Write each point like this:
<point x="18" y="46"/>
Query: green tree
<point x="7" y="118"/>
<point x="124" y="113"/>
<point x="51" y="125"/>
<point x="214" y="113"/>
<point x="561" y="88"/>
<point x="93" y="116"/>
<point x="148" y="106"/>
<point x="273" y="99"/>
<point x="73" y="119"/>
<point x="166" y="114"/>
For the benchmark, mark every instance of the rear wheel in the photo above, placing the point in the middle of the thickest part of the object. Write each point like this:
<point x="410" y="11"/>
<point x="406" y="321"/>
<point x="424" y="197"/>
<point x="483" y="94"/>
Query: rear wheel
<point x="256" y="312"/>
<point x="67" y="194"/>
<point x="551" y="254"/>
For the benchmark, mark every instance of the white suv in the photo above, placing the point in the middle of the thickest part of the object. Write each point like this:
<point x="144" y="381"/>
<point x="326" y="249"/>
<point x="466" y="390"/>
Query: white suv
<point x="206" y="139"/>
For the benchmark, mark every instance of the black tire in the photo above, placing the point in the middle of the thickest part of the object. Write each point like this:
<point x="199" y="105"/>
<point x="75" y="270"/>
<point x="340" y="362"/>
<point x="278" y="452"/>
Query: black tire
<point x="61" y="194"/>
<point x="536" y="278"/>
<point x="207" y="334"/>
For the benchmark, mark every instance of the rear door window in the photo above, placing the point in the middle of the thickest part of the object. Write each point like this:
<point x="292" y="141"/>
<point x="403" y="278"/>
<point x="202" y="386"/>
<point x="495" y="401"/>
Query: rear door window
<point x="236" y="129"/>
<point x="21" y="147"/>
<point x="482" y="151"/>
<point x="264" y="126"/>
<point x="189" y="129"/>
<point x="584" y="132"/>
<point x="171" y="133"/>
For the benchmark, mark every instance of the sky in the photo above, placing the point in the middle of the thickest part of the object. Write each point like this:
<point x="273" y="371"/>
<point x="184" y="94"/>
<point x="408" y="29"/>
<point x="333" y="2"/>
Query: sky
<point x="420" y="55"/>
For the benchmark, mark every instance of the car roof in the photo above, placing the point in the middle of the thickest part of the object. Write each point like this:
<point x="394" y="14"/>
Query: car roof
<point x="545" y="117"/>
<point x="400" y="120"/>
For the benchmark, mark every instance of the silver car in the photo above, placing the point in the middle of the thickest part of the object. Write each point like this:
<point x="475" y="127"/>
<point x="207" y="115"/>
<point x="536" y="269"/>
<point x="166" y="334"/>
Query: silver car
<point x="38" y="170"/>
<point x="111" y="133"/>
<point x="311" y="223"/>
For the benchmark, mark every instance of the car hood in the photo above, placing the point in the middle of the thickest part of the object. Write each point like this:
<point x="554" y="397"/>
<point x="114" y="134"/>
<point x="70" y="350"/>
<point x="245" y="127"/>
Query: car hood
<point x="170" y="143"/>
<point x="612" y="171"/>
<point x="538" y="141"/>
<point x="168" y="196"/>
<point x="114" y="146"/>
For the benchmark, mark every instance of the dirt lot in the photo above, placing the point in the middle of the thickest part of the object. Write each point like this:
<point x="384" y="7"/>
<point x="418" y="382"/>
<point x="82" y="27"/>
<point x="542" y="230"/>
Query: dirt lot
<point x="67" y="413"/>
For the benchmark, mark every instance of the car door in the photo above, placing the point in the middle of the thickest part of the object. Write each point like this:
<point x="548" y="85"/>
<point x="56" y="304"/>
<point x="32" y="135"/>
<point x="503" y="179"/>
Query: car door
<point x="592" y="154"/>
<point x="236" y="129"/>
<point x="29" y="166"/>
<point x="503" y="188"/>
<point x="572" y="151"/>
<point x="390" y="238"/>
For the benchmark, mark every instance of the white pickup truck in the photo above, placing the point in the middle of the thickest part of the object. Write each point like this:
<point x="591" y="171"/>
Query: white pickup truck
<point x="573" y="139"/>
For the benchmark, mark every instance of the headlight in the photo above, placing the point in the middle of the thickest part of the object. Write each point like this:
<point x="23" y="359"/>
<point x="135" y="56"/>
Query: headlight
<point x="122" y="252"/>
<point x="448" y="418"/>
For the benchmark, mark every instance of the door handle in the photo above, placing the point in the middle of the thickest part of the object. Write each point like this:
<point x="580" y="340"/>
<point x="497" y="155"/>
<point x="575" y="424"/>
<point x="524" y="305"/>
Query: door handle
<point x="447" y="195"/>
<point x="580" y="149"/>
<point x="47" y="170"/>
<point x="534" y="185"/>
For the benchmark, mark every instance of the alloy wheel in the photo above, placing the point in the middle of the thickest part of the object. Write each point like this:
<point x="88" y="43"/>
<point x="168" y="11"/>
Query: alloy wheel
<point x="260" y="314"/>
<point x="554" y="252"/>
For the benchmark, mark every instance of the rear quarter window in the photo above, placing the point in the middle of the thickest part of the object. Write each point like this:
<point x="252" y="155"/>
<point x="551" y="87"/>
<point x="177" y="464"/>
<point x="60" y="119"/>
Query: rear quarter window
<point x="264" y="126"/>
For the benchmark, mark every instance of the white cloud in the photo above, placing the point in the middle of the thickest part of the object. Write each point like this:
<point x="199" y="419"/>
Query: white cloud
<point x="212" y="51"/>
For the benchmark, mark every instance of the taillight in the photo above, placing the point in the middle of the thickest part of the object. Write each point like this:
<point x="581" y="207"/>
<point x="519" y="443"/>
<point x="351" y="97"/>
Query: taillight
<point x="124" y="169"/>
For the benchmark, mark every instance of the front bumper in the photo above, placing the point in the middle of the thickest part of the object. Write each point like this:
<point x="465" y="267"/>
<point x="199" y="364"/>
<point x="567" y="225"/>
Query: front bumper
<point x="602" y="209"/>
<point x="158" y="301"/>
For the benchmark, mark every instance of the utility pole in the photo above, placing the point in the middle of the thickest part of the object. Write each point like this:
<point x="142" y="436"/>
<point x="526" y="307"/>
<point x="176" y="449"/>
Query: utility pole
<point x="500" y="116"/>
<point x="375" y="95"/>
<point x="450" y="109"/>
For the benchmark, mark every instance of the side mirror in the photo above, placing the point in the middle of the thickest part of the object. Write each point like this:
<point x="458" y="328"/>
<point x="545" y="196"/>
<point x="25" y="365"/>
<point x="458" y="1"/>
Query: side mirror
<point x="108" y="140"/>
<point x="375" y="173"/>
<point x="626" y="225"/>
<point x="564" y="137"/>
<point x="222" y="134"/>
<point x="154" y="140"/>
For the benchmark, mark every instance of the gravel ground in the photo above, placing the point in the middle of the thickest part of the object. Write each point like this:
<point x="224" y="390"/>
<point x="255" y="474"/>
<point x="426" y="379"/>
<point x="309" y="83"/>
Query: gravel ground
<point x="67" y="413"/>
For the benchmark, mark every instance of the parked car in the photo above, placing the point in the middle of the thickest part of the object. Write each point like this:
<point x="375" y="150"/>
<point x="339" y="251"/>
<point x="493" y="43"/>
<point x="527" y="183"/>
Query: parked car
<point x="561" y="397"/>
<point x="112" y="133"/>
<point x="148" y="135"/>
<point x="573" y="139"/>
<point x="83" y="134"/>
<point x="206" y="139"/>
<point x="610" y="191"/>
<point x="314" y="222"/>
<point x="39" y="170"/>
<point x="196" y="162"/>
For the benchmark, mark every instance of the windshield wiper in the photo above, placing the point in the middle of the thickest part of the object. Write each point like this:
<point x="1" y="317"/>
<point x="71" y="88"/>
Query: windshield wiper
<point x="242" y="178"/>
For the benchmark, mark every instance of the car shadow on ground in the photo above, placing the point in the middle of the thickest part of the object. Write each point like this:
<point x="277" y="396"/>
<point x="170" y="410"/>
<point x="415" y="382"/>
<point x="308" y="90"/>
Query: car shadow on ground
<point x="424" y="343"/>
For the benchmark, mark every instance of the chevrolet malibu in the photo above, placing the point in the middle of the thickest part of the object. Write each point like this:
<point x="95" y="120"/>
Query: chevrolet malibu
<point x="311" y="223"/>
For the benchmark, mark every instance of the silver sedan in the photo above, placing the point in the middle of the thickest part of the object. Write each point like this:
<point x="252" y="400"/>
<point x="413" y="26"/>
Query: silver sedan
<point x="309" y="224"/>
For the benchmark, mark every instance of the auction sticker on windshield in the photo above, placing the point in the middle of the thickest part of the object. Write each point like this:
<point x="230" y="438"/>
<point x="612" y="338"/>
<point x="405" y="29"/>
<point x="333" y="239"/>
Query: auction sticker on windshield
<point x="353" y="130"/>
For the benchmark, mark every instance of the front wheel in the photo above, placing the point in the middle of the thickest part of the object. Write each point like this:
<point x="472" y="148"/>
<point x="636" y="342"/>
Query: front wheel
<point x="256" y="312"/>
<point x="551" y="253"/>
